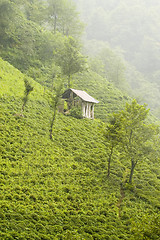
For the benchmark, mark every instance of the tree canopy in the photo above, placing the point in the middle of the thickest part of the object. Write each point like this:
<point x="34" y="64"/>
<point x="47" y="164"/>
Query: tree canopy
<point x="130" y="130"/>
<point x="70" y="59"/>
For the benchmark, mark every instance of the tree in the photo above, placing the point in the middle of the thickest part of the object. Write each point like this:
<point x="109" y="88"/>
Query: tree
<point x="70" y="59"/>
<point x="113" y="136"/>
<point x="70" y="23"/>
<point x="130" y="131"/>
<point x="136" y="134"/>
<point x="55" y="99"/>
<point x="54" y="11"/>
<point x="114" y="67"/>
<point x="27" y="91"/>
<point x="63" y="17"/>
<point x="33" y="10"/>
<point x="8" y="13"/>
<point x="20" y="39"/>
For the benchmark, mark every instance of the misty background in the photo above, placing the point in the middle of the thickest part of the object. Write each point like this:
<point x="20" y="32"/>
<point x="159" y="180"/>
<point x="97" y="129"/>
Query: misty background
<point x="123" y="38"/>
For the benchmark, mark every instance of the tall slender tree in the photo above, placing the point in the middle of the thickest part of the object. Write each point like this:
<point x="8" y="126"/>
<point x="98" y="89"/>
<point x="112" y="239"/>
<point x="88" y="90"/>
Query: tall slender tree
<point x="113" y="136"/>
<point x="55" y="99"/>
<point x="70" y="59"/>
<point x="27" y="91"/>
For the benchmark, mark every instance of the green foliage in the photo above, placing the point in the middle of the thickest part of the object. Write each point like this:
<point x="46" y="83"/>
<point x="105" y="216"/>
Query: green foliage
<point x="110" y="99"/>
<point x="134" y="134"/>
<point x="54" y="103"/>
<point x="59" y="189"/>
<point x="146" y="227"/>
<point x="133" y="29"/>
<point x="7" y="30"/>
<point x="114" y="67"/>
<point x="27" y="41"/>
<point x="76" y="112"/>
<point x="70" y="59"/>
<point x="63" y="17"/>
<point x="42" y="54"/>
<point x="27" y="91"/>
<point x="113" y="135"/>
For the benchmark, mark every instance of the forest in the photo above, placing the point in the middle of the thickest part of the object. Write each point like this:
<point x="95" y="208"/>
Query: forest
<point x="64" y="177"/>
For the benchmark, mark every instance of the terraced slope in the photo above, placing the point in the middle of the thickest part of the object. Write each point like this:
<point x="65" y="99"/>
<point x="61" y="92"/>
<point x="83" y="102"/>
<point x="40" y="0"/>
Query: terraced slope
<point x="59" y="189"/>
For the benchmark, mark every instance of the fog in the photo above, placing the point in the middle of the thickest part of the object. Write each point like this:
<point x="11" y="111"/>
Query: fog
<point x="132" y="27"/>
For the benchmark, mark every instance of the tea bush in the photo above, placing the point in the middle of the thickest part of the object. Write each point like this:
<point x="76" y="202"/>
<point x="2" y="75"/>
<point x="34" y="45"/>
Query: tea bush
<point x="59" y="189"/>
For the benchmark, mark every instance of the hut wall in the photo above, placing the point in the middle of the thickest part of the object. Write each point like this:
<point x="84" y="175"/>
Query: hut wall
<point x="88" y="110"/>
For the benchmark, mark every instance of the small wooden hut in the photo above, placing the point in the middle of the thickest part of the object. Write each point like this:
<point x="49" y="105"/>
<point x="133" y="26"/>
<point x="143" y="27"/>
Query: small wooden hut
<point x="80" y="98"/>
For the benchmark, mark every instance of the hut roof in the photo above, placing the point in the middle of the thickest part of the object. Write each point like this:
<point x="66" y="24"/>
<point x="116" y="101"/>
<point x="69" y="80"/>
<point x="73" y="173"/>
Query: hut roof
<point x="82" y="94"/>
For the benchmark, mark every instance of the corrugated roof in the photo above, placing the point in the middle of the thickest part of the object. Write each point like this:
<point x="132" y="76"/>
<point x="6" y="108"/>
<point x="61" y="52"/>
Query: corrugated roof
<point x="84" y="96"/>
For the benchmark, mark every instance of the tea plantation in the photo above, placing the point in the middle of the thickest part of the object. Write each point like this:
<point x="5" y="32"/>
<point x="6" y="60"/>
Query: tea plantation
<point x="110" y="98"/>
<point x="59" y="190"/>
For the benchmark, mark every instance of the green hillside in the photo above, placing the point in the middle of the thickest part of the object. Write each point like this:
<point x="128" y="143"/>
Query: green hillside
<point x="59" y="189"/>
<point x="110" y="98"/>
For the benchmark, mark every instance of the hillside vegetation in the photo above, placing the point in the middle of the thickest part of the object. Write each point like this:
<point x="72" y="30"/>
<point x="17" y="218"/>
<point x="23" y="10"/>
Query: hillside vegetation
<point x="59" y="189"/>
<point x="63" y="177"/>
<point x="110" y="98"/>
<point x="42" y="40"/>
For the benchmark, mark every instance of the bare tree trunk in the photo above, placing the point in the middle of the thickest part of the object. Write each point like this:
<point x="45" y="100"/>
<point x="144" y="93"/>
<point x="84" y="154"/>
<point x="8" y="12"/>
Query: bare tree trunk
<point x="22" y="109"/>
<point x="52" y="122"/>
<point x="55" y="105"/>
<point x="25" y="99"/>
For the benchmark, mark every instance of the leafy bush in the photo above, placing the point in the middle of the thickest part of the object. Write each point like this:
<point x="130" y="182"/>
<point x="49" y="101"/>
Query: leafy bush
<point x="76" y="112"/>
